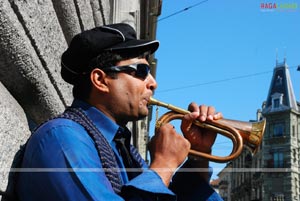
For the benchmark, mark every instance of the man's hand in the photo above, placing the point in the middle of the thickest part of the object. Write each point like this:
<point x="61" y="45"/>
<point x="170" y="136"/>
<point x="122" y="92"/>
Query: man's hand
<point x="200" y="139"/>
<point x="168" y="150"/>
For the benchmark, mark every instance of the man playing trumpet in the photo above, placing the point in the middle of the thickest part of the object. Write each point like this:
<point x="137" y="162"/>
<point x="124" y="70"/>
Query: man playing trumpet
<point x="87" y="146"/>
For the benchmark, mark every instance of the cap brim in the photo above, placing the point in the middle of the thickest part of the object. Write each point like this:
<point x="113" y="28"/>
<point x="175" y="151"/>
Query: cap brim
<point x="140" y="46"/>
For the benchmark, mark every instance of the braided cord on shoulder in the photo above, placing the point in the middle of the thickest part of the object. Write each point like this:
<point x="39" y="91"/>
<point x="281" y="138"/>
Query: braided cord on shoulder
<point x="105" y="152"/>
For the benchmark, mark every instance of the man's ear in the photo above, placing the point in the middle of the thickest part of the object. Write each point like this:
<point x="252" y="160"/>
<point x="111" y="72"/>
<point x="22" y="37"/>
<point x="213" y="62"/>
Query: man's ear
<point x="99" y="79"/>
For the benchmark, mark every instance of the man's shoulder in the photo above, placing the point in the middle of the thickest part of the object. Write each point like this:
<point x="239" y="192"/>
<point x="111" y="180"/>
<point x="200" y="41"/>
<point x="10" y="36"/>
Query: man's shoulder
<point x="59" y="129"/>
<point x="58" y="123"/>
<point x="61" y="133"/>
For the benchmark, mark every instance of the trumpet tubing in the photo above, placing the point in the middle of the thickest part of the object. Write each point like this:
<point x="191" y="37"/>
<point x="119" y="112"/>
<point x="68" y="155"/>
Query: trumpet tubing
<point x="240" y="133"/>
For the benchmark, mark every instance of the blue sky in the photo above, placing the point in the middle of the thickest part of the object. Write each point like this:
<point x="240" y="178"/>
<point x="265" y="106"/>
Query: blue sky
<point x="223" y="53"/>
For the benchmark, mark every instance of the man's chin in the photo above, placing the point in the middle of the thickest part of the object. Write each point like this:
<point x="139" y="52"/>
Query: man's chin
<point x="143" y="114"/>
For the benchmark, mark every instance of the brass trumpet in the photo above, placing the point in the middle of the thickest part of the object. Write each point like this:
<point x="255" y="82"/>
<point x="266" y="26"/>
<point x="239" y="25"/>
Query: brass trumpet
<point x="241" y="133"/>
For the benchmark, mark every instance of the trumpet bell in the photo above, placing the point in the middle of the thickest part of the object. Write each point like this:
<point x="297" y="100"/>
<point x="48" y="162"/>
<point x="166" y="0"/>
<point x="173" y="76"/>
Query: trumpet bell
<point x="251" y="132"/>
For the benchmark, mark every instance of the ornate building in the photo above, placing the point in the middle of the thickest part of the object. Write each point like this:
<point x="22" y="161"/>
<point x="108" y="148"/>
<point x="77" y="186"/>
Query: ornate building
<point x="273" y="173"/>
<point x="33" y="35"/>
<point x="281" y="139"/>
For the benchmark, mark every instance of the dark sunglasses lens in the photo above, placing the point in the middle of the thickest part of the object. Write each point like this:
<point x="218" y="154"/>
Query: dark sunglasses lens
<point x="142" y="71"/>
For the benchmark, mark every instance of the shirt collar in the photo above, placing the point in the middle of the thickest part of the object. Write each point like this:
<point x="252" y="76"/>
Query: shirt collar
<point x="107" y="127"/>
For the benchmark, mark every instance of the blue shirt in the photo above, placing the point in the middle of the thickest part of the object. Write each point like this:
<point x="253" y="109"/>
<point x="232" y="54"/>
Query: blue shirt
<point x="62" y="163"/>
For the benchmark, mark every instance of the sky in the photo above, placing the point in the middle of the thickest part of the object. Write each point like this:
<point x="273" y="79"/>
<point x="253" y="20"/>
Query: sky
<point x="222" y="53"/>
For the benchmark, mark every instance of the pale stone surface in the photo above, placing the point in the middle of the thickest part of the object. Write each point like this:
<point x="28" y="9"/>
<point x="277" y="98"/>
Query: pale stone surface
<point x="14" y="131"/>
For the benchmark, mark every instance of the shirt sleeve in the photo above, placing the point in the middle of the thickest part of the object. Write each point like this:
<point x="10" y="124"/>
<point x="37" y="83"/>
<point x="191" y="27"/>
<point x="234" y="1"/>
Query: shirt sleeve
<point x="188" y="185"/>
<point x="147" y="186"/>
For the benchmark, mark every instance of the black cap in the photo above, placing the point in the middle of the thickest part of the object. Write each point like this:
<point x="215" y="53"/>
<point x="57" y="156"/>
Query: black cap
<point x="90" y="43"/>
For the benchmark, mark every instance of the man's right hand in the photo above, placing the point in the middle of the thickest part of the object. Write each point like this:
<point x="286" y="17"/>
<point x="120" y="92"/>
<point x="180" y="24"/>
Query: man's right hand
<point x="168" y="150"/>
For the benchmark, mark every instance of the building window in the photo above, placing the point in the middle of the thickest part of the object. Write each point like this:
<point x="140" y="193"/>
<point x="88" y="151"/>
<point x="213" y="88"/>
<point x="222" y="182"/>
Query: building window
<point x="277" y="100"/>
<point x="278" y="159"/>
<point x="278" y="130"/>
<point x="294" y="155"/>
<point x="276" y="103"/>
<point x="279" y="80"/>
<point x="293" y="130"/>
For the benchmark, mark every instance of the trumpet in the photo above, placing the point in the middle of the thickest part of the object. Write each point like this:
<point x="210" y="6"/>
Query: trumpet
<point x="240" y="133"/>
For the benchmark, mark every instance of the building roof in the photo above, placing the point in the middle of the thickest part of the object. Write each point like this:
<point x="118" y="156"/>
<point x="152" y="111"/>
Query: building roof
<point x="281" y="95"/>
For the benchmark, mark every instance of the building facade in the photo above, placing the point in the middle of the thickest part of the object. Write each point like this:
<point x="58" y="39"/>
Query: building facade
<point x="272" y="174"/>
<point x="225" y="177"/>
<point x="33" y="35"/>
<point x="241" y="177"/>
<point x="282" y="139"/>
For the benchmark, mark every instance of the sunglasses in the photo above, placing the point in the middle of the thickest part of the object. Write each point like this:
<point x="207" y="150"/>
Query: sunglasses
<point x="141" y="71"/>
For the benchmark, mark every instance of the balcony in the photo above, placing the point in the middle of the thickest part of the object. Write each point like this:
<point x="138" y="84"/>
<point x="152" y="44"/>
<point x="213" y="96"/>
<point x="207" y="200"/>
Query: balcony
<point x="276" y="140"/>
